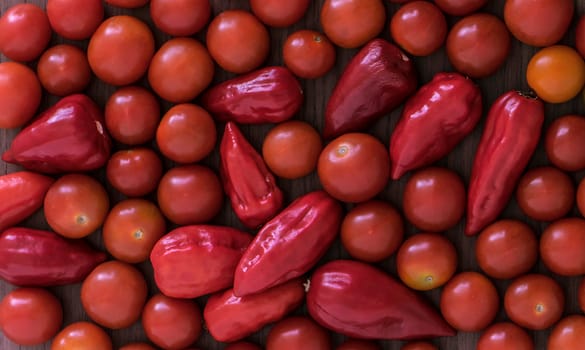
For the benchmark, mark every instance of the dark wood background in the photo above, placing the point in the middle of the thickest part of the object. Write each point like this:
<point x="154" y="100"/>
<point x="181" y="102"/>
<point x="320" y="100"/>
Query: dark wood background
<point x="511" y="76"/>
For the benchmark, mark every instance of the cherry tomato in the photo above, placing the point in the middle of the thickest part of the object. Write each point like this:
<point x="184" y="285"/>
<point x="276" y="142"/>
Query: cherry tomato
<point x="242" y="345"/>
<point x="82" y="336"/>
<point x="352" y="23"/>
<point x="180" y="18"/>
<point x="460" y="7"/>
<point x="137" y="346"/>
<point x="131" y="229"/>
<point x="354" y="167"/>
<point x="568" y="334"/>
<point x="129" y="4"/>
<point x="74" y="19"/>
<point x="237" y="41"/>
<point x="134" y="172"/>
<point x="358" y="344"/>
<point x="171" y="323"/>
<point x="506" y="249"/>
<point x="581" y="294"/>
<point x="308" y="54"/>
<point x="478" y="45"/>
<point x="297" y="332"/>
<point x="505" y="335"/>
<point x="419" y="27"/>
<point x="291" y="149"/>
<point x="20" y="94"/>
<point x="120" y="50"/>
<point x="30" y="316"/>
<point x="564" y="135"/>
<point x="76" y="205"/>
<point x="278" y="13"/>
<point x="25" y="32"/>
<point x="534" y="301"/>
<point x="434" y="199"/>
<point x="562" y="244"/>
<point x="186" y="133"/>
<point x="580" y="36"/>
<point x="190" y="194"/>
<point x="556" y="73"/>
<point x="426" y="261"/>
<point x="63" y="70"/>
<point x="469" y="302"/>
<point x="419" y="345"/>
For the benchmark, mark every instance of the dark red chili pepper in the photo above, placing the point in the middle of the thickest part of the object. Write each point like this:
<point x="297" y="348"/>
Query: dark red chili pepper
<point x="21" y="194"/>
<point x="358" y="300"/>
<point x="37" y="258"/>
<point x="68" y="137"/>
<point x="434" y="120"/>
<point x="290" y="244"/>
<point x="377" y="80"/>
<point x="267" y="95"/>
<point x="510" y="137"/>
<point x="252" y="189"/>
<point x="192" y="261"/>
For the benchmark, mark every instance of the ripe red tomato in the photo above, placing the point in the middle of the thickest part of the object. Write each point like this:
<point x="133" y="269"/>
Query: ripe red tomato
<point x="308" y="54"/>
<point x="358" y="344"/>
<point x="297" y="332"/>
<point x="137" y="346"/>
<point x="25" y="32"/>
<point x="134" y="172"/>
<point x="171" y="323"/>
<point x="460" y="304"/>
<point x="581" y="294"/>
<point x="20" y="94"/>
<point x="242" y="345"/>
<point x="580" y="36"/>
<point x="460" y="7"/>
<point x="505" y="335"/>
<point x="74" y="19"/>
<point x="278" y="13"/>
<point x="562" y="244"/>
<point x="180" y="18"/>
<point x="534" y="301"/>
<point x="564" y="135"/>
<point x="82" y="335"/>
<point x="419" y="345"/>
<point x="478" y="45"/>
<point x="129" y="4"/>
<point x="30" y="316"/>
<point x="64" y="70"/>
<point x="419" y="27"/>
<point x="237" y="41"/>
<point x="120" y="50"/>
<point x="568" y="334"/>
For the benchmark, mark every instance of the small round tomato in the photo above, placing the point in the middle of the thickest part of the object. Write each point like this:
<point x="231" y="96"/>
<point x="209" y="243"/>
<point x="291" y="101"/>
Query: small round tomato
<point x="469" y="302"/>
<point x="171" y="323"/>
<point x="581" y="294"/>
<point x="237" y="41"/>
<point x="76" y="205"/>
<point x="186" y="133"/>
<point x="63" y="70"/>
<point x="20" y="94"/>
<point x="74" y="19"/>
<point x="460" y="7"/>
<point x="297" y="332"/>
<point x="354" y="167"/>
<point x="128" y="4"/>
<point x="25" y="32"/>
<point x="30" y="316"/>
<point x="426" y="261"/>
<point x="82" y="336"/>
<point x="419" y="27"/>
<point x="278" y="13"/>
<point x="291" y="149"/>
<point x="372" y="231"/>
<point x="564" y="135"/>
<point x="434" y="199"/>
<point x="180" y="70"/>
<point x="180" y="18"/>
<point x="419" y="345"/>
<point x="242" y="345"/>
<point x="308" y="54"/>
<point x="556" y="73"/>
<point x="358" y="344"/>
<point x="478" y="45"/>
<point x="534" y="301"/>
<point x="134" y="172"/>
<point x="562" y="244"/>
<point x="190" y="194"/>
<point x="120" y="50"/>
<point x="580" y="36"/>
<point x="505" y="335"/>
<point x="137" y="346"/>
<point x="352" y="23"/>
<point x="568" y="334"/>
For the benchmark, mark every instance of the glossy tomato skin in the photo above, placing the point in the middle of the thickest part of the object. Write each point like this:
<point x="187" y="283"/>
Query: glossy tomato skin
<point x="180" y="18"/>
<point x="134" y="172"/>
<point x="460" y="7"/>
<point x="64" y="70"/>
<point x="419" y="27"/>
<point x="580" y="36"/>
<point x="563" y="136"/>
<point x="308" y="54"/>
<point x="568" y="334"/>
<point x="242" y="345"/>
<point x="82" y="335"/>
<point x="298" y="332"/>
<point x="358" y="344"/>
<point x="25" y="32"/>
<point x="505" y="335"/>
<point x="276" y="13"/>
<point x="561" y="246"/>
<point x="419" y="345"/>
<point x="129" y="4"/>
<point x="73" y="19"/>
<point x="20" y="94"/>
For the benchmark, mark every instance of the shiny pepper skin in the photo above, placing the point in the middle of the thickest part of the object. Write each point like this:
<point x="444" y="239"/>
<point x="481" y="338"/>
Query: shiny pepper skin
<point x="433" y="121"/>
<point x="377" y="80"/>
<point x="360" y="301"/>
<point x="511" y="134"/>
<point x="254" y="194"/>
<point x="268" y="95"/>
<point x="290" y="244"/>
<point x="68" y="137"/>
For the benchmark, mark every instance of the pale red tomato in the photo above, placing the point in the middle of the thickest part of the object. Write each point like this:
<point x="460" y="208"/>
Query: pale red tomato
<point x="180" y="17"/>
<point x="562" y="244"/>
<point x="419" y="27"/>
<point x="20" y="94"/>
<point x="568" y="334"/>
<point x="278" y="13"/>
<point x="308" y="54"/>
<point x="74" y="19"/>
<point x="82" y="336"/>
<point x="64" y="70"/>
<point x="505" y="335"/>
<point x="25" y="32"/>
<point x="134" y="172"/>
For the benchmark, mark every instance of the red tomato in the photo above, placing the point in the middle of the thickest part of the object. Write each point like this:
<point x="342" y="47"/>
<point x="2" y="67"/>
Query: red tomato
<point x="505" y="335"/>
<point x="63" y="70"/>
<point x="580" y="36"/>
<point x="242" y="345"/>
<point x="137" y="346"/>
<point x="30" y="316"/>
<point x="20" y="94"/>
<point x="129" y="4"/>
<point x="419" y="27"/>
<point x="562" y="244"/>
<point x="171" y="323"/>
<point x="25" y="32"/>
<point x="82" y="335"/>
<point x="278" y="13"/>
<point x="180" y="17"/>
<point x="297" y="332"/>
<point x="358" y="344"/>
<point x="581" y="294"/>
<point x="564" y="135"/>
<point x="74" y="19"/>
<point x="354" y="167"/>
<point x="308" y="54"/>
<point x="419" y="345"/>
<point x="469" y="302"/>
<point x="237" y="41"/>
<point x="534" y="301"/>
<point x="134" y="172"/>
<point x="568" y="334"/>
<point x="460" y="7"/>
<point x="120" y="50"/>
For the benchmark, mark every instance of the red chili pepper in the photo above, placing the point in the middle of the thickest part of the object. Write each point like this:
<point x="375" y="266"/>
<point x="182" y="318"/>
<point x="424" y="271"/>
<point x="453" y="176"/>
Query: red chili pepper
<point x="510" y="137"/>
<point x="252" y="189"/>
<point x="377" y="80"/>
<point x="21" y="194"/>
<point x="439" y="116"/>
<point x="37" y="258"/>
<point x="358" y="300"/>
<point x="267" y="95"/>
<point x="290" y="244"/>
<point x="230" y="318"/>
<point x="68" y="137"/>
<point x="192" y="261"/>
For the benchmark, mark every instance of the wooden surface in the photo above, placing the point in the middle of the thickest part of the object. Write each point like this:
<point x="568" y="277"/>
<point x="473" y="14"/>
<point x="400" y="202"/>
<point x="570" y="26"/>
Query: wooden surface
<point x="511" y="76"/>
